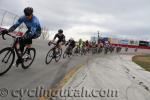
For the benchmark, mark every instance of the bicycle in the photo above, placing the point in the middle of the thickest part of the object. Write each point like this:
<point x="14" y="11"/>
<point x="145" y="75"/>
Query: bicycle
<point x="106" y="50"/>
<point x="94" y="50"/>
<point x="100" y="49"/>
<point x="53" y="53"/>
<point x="9" y="52"/>
<point x="76" y="51"/>
<point x="67" y="52"/>
<point x="82" y="51"/>
<point x="118" y="49"/>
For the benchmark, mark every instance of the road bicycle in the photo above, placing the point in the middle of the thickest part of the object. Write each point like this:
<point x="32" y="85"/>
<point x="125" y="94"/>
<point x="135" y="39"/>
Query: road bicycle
<point x="67" y="52"/>
<point x="54" y="53"/>
<point x="7" y="55"/>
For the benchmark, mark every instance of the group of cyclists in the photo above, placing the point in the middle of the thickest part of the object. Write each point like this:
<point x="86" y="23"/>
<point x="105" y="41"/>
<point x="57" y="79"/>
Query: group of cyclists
<point x="34" y="31"/>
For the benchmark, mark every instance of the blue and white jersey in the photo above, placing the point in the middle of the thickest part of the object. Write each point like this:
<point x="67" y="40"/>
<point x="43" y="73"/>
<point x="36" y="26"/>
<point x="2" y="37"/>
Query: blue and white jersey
<point x="33" y="24"/>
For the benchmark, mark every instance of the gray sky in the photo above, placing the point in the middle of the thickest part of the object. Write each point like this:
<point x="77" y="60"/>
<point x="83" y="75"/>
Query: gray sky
<point x="82" y="18"/>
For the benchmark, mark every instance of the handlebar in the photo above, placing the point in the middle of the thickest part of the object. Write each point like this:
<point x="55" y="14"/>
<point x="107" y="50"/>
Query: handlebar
<point x="3" y="35"/>
<point x="51" y="43"/>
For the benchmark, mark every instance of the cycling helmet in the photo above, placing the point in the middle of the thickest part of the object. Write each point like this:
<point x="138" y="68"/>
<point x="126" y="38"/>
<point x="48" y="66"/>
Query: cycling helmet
<point x="28" y="11"/>
<point x="60" y="31"/>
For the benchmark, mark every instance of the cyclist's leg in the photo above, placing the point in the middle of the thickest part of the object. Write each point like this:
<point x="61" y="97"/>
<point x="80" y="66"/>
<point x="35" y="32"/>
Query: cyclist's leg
<point x="21" y="44"/>
<point x="21" y="48"/>
<point x="28" y="44"/>
<point x="71" y="49"/>
<point x="57" y="46"/>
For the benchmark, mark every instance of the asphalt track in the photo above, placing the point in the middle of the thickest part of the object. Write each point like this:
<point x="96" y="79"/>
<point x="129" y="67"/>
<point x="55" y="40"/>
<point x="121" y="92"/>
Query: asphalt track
<point x="118" y="78"/>
<point x="39" y="74"/>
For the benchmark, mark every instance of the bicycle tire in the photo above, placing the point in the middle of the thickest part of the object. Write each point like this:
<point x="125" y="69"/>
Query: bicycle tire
<point x="64" y="55"/>
<point x="9" y="49"/>
<point x="47" y="56"/>
<point x="57" y="58"/>
<point x="34" y="54"/>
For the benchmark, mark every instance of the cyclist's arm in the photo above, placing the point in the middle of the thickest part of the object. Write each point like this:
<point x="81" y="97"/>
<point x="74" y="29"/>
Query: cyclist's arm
<point x="11" y="29"/>
<point x="55" y="37"/>
<point x="64" y="40"/>
<point x="38" y="29"/>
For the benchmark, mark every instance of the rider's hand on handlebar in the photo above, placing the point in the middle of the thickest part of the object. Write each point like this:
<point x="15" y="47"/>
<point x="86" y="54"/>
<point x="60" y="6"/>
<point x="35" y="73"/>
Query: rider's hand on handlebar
<point x="49" y="43"/>
<point x="4" y="32"/>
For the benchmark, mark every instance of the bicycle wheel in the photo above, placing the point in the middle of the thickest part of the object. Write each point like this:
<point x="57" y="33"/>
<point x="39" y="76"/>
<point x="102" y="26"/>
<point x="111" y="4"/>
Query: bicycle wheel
<point x="64" y="55"/>
<point x="58" y="54"/>
<point x="27" y="61"/>
<point x="7" y="57"/>
<point x="99" y="50"/>
<point x="106" y="50"/>
<point x="75" y="51"/>
<point x="49" y="56"/>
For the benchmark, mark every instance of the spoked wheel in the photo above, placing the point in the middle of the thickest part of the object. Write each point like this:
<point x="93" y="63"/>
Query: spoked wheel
<point x="28" y="57"/>
<point x="99" y="50"/>
<point x="106" y="50"/>
<point x="7" y="56"/>
<point x="58" y="54"/>
<point x="49" y="56"/>
<point x="65" y="55"/>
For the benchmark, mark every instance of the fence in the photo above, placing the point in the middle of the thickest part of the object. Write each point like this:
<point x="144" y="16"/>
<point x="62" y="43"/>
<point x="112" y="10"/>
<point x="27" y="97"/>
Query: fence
<point x="7" y="19"/>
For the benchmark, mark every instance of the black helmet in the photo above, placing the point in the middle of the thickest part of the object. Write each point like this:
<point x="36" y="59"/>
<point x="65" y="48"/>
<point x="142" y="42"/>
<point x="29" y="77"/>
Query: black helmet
<point x="60" y="31"/>
<point x="28" y="11"/>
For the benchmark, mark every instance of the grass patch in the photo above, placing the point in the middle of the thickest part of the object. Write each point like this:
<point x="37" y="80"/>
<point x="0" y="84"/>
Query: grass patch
<point x="143" y="61"/>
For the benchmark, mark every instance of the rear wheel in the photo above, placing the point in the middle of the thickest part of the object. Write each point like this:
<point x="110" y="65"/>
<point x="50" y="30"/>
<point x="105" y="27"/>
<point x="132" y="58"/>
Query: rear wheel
<point x="7" y="56"/>
<point x="27" y="61"/>
<point x="64" y="55"/>
<point x="106" y="50"/>
<point x="58" y="54"/>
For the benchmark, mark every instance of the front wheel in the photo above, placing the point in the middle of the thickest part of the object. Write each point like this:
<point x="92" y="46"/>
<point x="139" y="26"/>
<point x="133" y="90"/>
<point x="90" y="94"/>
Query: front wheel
<point x="27" y="61"/>
<point x="7" y="56"/>
<point x="49" y="56"/>
<point x="64" y="55"/>
<point x="58" y="54"/>
<point x="106" y="50"/>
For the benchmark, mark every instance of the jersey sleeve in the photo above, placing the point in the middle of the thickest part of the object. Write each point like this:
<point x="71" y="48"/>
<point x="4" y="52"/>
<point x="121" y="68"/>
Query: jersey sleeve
<point x="64" y="38"/>
<point x="36" y="27"/>
<point x="19" y="21"/>
<point x="55" y="37"/>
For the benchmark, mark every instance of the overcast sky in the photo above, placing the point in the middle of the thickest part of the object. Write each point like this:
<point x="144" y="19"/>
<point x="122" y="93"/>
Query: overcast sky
<point x="82" y="18"/>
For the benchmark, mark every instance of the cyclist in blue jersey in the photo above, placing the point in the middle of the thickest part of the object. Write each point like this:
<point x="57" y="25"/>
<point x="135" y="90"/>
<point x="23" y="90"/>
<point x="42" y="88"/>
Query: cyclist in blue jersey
<point x="33" y="26"/>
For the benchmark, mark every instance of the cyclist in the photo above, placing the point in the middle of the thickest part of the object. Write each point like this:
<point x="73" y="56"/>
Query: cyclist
<point x="80" y="43"/>
<point x="61" y="38"/>
<point x="77" y="48"/>
<point x="33" y="32"/>
<point x="83" y="44"/>
<point x="87" y="43"/>
<point x="107" y="44"/>
<point x="71" y="44"/>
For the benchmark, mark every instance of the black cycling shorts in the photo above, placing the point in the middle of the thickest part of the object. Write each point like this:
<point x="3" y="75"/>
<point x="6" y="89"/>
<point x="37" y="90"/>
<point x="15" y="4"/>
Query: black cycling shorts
<point x="25" y="41"/>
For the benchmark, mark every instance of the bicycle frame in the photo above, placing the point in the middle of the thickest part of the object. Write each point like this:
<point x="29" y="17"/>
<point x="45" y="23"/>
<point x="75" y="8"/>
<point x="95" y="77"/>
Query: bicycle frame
<point x="14" y="47"/>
